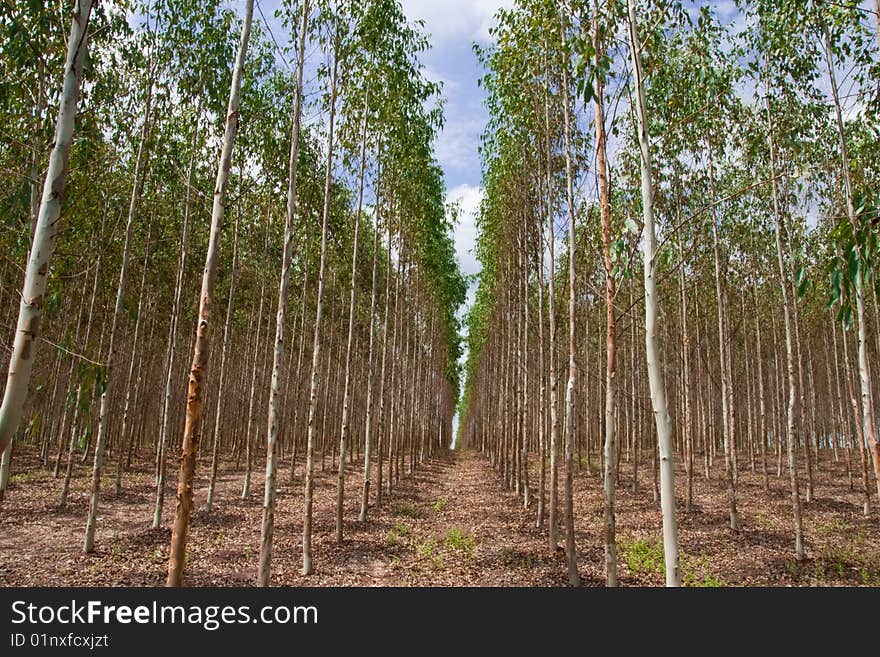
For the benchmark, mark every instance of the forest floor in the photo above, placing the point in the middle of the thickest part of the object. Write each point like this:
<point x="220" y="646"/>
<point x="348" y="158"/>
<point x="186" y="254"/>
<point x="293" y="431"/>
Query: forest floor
<point x="451" y="523"/>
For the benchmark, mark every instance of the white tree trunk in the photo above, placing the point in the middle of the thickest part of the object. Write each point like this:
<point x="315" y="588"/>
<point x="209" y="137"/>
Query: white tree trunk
<point x="868" y="425"/>
<point x="346" y="395"/>
<point x="136" y="189"/>
<point x="316" y="348"/>
<point x="268" y="525"/>
<point x="652" y="351"/>
<point x="46" y="233"/>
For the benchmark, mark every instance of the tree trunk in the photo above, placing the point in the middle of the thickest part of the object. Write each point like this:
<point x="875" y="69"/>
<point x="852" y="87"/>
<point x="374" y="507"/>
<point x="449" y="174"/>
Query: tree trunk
<point x="202" y="348"/>
<point x="792" y="386"/>
<point x="869" y="427"/>
<point x="103" y="419"/>
<point x="268" y="524"/>
<point x="316" y="348"/>
<point x="46" y="232"/>
<point x="655" y="374"/>
<point x="609" y="480"/>
<point x="346" y="395"/>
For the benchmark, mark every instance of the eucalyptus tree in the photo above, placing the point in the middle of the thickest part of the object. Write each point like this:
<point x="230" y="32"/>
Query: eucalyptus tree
<point x="655" y="373"/>
<point x="336" y="27"/>
<point x="201" y="353"/>
<point x="844" y="40"/>
<point x="141" y="163"/>
<point x="195" y="46"/>
<point x="45" y="230"/>
<point x="354" y="131"/>
<point x="573" y="577"/>
<point x="268" y="524"/>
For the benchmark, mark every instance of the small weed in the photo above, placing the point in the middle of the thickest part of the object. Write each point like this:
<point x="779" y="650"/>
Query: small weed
<point x="439" y="505"/>
<point x="697" y="572"/>
<point x="642" y="556"/>
<point x="428" y="550"/>
<point x="456" y="540"/>
<point x="409" y="510"/>
<point x="396" y="533"/>
<point x="869" y="578"/>
<point x="835" y="526"/>
<point x="20" y="478"/>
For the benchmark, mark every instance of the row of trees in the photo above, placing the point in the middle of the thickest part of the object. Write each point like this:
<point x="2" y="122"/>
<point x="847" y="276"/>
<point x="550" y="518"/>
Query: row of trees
<point x="739" y="156"/>
<point x="325" y="204"/>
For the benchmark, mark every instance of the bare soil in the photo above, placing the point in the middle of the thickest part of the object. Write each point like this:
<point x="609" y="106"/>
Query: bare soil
<point x="450" y="523"/>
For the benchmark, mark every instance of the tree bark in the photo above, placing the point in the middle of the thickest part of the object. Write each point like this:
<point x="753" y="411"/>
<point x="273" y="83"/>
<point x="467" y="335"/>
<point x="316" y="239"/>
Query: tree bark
<point x="46" y="231"/>
<point x="655" y="373"/>
<point x="202" y="348"/>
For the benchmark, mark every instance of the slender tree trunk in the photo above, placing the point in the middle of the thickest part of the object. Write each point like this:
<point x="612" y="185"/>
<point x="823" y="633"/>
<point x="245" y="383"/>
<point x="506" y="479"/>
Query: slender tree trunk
<point x="860" y="434"/>
<point x="346" y="395"/>
<point x="124" y="433"/>
<point x="726" y="397"/>
<point x="368" y="422"/>
<point x="792" y="386"/>
<point x="268" y="524"/>
<point x="570" y="550"/>
<point x="655" y="374"/>
<point x="46" y="231"/>
<point x="221" y="379"/>
<point x="316" y="348"/>
<point x="686" y="384"/>
<point x="202" y="349"/>
<point x="103" y="419"/>
<point x="609" y="481"/>
<point x="248" y="435"/>
<point x="551" y="313"/>
<point x="172" y="335"/>
<point x="65" y="487"/>
<point x="542" y="395"/>
<point x="762" y="412"/>
<point x="869" y="427"/>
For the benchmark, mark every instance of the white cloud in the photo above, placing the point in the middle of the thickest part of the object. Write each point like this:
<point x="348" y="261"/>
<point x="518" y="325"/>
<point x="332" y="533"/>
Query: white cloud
<point x="469" y="198"/>
<point x="455" y="19"/>
<point x="456" y="146"/>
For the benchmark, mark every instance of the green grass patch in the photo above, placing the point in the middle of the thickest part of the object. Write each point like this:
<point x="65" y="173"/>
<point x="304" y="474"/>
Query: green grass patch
<point x="459" y="541"/>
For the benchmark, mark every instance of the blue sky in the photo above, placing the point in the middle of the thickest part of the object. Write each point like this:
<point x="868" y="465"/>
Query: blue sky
<point x="454" y="25"/>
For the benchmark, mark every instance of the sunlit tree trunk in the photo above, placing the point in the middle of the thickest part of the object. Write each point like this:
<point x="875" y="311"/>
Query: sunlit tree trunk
<point x="103" y="413"/>
<point x="792" y="386"/>
<point x="202" y="349"/>
<point x="268" y="524"/>
<point x="221" y="379"/>
<point x="655" y="373"/>
<point x="46" y="231"/>
<point x="869" y="427"/>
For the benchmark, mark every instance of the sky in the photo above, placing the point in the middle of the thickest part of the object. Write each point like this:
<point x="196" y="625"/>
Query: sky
<point x="454" y="26"/>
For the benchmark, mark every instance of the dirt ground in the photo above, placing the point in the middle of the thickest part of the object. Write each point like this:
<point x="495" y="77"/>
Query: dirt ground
<point x="451" y="523"/>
